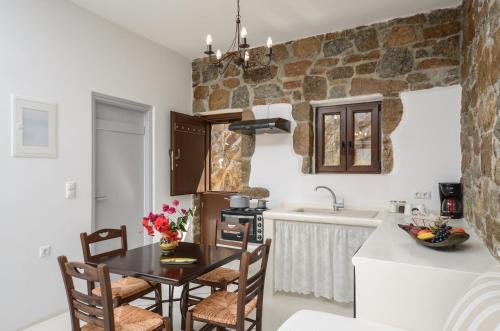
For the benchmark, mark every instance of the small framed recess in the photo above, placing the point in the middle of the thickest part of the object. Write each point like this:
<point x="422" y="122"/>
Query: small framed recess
<point x="34" y="128"/>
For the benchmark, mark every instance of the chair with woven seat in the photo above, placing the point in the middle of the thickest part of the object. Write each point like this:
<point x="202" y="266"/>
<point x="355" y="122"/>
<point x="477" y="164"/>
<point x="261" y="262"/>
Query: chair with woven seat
<point x="221" y="277"/>
<point x="230" y="310"/>
<point x="126" y="289"/>
<point x="102" y="313"/>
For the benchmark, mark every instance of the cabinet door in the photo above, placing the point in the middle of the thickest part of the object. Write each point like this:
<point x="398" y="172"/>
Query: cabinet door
<point x="188" y="152"/>
<point x="212" y="204"/>
<point x="363" y="138"/>
<point x="330" y="139"/>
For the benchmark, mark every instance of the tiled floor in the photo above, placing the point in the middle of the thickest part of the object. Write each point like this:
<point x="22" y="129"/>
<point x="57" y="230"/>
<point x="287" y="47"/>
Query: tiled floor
<point x="277" y="308"/>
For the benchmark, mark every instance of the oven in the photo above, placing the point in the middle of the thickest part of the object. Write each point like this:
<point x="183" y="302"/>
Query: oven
<point x="249" y="215"/>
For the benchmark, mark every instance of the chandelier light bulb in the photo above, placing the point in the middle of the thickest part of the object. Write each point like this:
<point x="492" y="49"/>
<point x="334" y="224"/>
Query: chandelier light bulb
<point x="269" y="42"/>
<point x="209" y="39"/>
<point x="244" y="32"/>
<point x="218" y="55"/>
<point x="247" y="56"/>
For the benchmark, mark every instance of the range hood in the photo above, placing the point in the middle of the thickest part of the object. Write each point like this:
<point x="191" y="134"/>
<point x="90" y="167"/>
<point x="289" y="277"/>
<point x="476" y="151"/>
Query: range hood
<point x="266" y="125"/>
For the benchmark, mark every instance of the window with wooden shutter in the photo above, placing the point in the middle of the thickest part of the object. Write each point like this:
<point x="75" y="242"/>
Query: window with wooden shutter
<point x="348" y="139"/>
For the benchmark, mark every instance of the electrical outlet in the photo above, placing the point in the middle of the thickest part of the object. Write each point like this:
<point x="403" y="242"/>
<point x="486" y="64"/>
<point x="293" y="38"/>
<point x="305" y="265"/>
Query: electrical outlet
<point x="44" y="251"/>
<point x="423" y="195"/>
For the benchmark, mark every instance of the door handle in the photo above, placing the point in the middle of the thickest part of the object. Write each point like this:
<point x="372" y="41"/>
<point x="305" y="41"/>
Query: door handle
<point x="101" y="197"/>
<point x="178" y="154"/>
<point x="171" y="160"/>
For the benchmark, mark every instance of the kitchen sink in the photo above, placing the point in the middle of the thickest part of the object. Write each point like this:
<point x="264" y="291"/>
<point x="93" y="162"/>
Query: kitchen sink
<point x="355" y="213"/>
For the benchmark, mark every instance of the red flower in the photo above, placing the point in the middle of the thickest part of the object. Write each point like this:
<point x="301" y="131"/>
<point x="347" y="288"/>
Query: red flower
<point x="175" y="203"/>
<point x="183" y="211"/>
<point x="152" y="217"/>
<point x="145" y="221"/>
<point x="165" y="207"/>
<point x="162" y="224"/>
<point x="171" y="210"/>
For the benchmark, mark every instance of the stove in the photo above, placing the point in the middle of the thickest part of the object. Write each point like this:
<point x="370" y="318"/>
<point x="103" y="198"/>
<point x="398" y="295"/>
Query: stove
<point x="252" y="216"/>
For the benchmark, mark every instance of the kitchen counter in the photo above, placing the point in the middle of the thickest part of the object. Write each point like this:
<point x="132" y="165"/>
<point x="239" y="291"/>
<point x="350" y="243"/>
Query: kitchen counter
<point x="399" y="282"/>
<point x="409" y="286"/>
<point x="390" y="244"/>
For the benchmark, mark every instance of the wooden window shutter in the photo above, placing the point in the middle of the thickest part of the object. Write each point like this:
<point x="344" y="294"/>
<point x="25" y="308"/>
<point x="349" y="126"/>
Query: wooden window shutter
<point x="187" y="154"/>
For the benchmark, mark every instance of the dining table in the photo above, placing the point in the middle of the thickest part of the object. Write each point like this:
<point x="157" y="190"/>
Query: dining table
<point x="146" y="262"/>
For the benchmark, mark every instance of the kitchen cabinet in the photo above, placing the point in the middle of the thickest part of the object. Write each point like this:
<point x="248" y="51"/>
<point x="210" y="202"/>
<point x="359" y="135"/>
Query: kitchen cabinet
<point x="348" y="138"/>
<point x="212" y="204"/>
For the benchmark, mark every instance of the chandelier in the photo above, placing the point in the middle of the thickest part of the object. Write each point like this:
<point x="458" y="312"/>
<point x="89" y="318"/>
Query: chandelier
<point x="238" y="50"/>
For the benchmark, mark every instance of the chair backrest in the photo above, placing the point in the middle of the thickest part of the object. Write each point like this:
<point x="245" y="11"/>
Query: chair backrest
<point x="93" y="310"/>
<point x="252" y="287"/>
<point x="231" y="226"/>
<point x="102" y="235"/>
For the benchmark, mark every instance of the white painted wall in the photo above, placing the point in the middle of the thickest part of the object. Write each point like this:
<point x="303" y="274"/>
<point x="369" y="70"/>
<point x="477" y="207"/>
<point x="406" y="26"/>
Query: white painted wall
<point x="53" y="50"/>
<point x="426" y="151"/>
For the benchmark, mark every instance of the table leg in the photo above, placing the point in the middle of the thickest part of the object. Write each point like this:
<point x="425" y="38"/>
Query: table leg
<point x="184" y="305"/>
<point x="170" y="301"/>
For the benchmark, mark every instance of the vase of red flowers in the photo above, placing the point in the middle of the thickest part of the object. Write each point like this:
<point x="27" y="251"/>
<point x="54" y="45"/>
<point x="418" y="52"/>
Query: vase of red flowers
<point x="170" y="224"/>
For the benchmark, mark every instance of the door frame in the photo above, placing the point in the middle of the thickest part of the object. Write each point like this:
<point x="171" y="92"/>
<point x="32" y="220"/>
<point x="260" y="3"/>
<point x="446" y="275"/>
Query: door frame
<point x="147" y="110"/>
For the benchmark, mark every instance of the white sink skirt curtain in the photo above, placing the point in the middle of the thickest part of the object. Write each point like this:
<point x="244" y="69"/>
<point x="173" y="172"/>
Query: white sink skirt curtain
<point x="312" y="258"/>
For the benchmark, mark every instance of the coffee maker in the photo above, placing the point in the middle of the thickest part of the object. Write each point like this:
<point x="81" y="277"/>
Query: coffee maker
<point x="450" y="195"/>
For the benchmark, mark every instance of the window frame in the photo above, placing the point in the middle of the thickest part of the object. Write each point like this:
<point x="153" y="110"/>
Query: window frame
<point x="348" y="112"/>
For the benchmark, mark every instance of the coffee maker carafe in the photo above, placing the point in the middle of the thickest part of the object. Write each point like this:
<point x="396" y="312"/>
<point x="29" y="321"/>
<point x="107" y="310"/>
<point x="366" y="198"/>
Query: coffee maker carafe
<point x="451" y="199"/>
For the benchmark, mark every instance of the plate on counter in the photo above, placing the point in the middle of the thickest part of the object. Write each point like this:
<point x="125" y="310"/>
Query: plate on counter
<point x="451" y="241"/>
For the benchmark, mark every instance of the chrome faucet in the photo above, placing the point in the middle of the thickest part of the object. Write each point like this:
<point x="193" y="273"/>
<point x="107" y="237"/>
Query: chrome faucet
<point x="336" y="205"/>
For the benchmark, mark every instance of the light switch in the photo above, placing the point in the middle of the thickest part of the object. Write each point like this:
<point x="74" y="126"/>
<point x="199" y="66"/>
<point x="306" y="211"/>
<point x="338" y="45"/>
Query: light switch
<point x="70" y="190"/>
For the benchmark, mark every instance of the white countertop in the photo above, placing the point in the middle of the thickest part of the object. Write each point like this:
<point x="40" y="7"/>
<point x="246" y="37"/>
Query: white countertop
<point x="288" y="214"/>
<point x="390" y="244"/>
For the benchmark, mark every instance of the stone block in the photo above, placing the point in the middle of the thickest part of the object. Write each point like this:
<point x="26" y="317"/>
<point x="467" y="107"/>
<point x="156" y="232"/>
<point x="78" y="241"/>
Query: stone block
<point x="366" y="40"/>
<point x="360" y="86"/>
<point x="302" y="111"/>
<point x="315" y="88"/>
<point x="400" y="35"/>
<point x="297" y="68"/>
<point x="339" y="73"/>
<point x="336" y="46"/>
<point x="395" y="61"/>
<point x="303" y="138"/>
<point x="241" y="97"/>
<point x="219" y="99"/>
<point x="392" y="111"/>
<point x="267" y="91"/>
<point x="306" y="47"/>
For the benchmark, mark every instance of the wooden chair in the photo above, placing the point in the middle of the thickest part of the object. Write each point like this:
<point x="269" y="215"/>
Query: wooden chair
<point x="225" y="309"/>
<point x="126" y="289"/>
<point x="102" y="312"/>
<point x="219" y="278"/>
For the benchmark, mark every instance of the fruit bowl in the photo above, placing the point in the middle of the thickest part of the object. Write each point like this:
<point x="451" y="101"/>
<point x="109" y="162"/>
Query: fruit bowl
<point x="424" y="235"/>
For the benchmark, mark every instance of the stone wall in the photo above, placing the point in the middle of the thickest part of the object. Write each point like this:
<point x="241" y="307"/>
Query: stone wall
<point x="417" y="52"/>
<point x="480" y="139"/>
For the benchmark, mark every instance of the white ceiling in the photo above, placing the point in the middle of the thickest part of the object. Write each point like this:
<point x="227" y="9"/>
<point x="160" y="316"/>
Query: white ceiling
<point x="182" y="25"/>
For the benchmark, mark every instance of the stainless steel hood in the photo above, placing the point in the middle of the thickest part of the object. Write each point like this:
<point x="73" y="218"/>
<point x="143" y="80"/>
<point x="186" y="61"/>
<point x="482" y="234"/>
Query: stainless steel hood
<point x="267" y="125"/>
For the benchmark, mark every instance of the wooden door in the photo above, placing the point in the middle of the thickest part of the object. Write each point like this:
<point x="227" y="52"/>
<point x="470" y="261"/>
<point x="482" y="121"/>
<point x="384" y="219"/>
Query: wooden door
<point x="188" y="154"/>
<point x="212" y="204"/>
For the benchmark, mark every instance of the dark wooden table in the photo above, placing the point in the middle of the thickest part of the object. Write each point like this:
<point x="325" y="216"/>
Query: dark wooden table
<point x="144" y="262"/>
